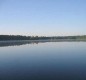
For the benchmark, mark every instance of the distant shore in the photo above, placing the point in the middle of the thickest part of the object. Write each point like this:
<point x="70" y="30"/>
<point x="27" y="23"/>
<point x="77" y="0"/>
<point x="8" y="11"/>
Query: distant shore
<point x="46" y="40"/>
<point x="16" y="38"/>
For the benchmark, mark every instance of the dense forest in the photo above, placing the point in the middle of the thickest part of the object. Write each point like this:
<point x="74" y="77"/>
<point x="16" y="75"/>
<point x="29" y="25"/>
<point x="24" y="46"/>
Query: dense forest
<point x="19" y="37"/>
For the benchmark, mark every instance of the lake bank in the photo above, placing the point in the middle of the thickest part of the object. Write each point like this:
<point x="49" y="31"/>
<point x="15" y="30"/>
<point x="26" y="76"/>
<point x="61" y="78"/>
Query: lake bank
<point x="46" y="40"/>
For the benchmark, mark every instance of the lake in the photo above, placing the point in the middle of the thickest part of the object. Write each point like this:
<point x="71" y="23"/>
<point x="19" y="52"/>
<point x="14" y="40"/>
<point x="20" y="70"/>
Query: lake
<point x="43" y="61"/>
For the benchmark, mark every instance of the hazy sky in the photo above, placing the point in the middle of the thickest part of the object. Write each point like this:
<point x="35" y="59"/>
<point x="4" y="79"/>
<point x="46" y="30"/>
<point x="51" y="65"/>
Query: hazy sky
<point x="43" y="17"/>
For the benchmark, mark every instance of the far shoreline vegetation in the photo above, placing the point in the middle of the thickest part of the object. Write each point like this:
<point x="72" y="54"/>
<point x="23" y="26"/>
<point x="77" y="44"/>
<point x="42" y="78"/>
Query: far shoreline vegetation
<point x="20" y="37"/>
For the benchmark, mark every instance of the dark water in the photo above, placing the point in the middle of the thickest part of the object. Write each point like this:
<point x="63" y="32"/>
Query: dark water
<point x="43" y="61"/>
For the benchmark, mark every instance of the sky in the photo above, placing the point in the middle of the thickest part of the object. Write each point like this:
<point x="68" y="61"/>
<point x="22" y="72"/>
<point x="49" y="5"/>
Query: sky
<point x="43" y="17"/>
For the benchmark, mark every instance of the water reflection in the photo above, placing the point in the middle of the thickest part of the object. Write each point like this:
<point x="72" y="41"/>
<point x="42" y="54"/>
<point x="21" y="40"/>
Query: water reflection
<point x="24" y="42"/>
<point x="18" y="43"/>
<point x="48" y="61"/>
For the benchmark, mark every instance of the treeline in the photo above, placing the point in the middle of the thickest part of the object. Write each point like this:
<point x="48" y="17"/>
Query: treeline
<point x="19" y="37"/>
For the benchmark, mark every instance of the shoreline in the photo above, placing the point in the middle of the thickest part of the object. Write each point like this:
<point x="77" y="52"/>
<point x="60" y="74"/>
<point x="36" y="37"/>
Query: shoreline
<point x="48" y="40"/>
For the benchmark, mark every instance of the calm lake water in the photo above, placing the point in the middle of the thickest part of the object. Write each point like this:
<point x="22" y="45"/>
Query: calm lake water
<point x="43" y="61"/>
